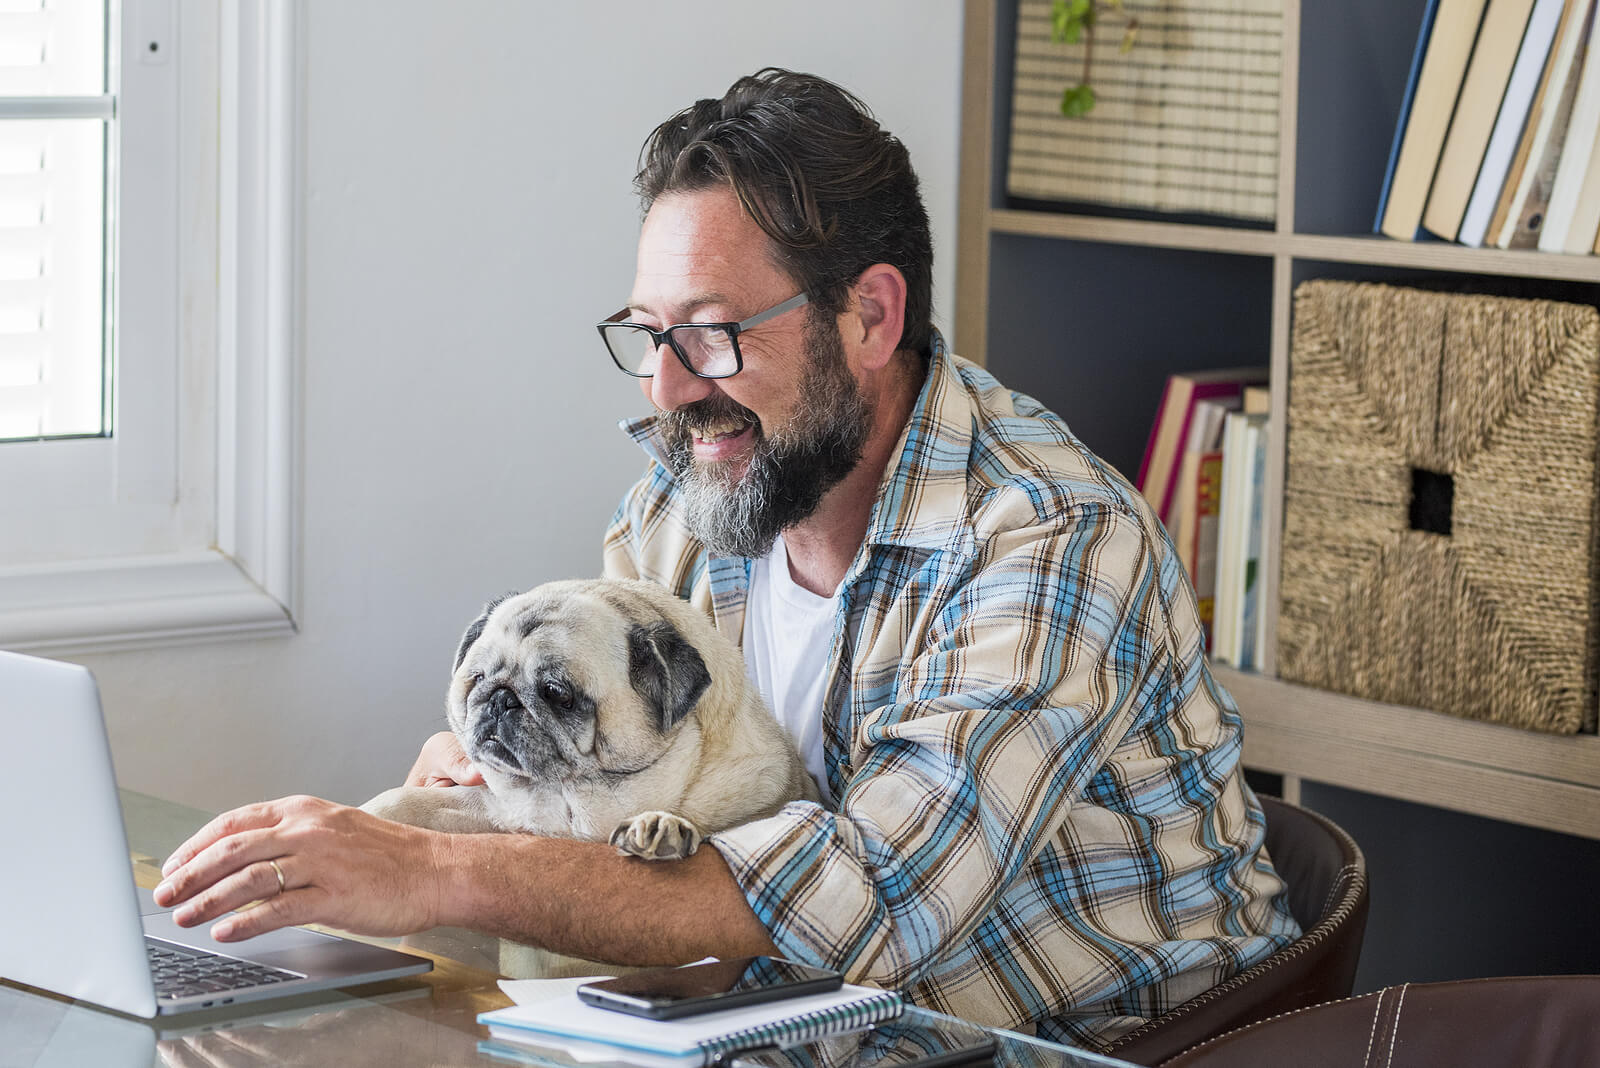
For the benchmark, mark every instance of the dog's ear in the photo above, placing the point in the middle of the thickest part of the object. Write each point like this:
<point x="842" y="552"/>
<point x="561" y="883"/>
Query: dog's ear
<point x="475" y="631"/>
<point x="666" y="670"/>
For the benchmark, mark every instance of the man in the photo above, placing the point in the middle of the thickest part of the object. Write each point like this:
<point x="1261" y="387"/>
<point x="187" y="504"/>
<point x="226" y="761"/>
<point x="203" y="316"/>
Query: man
<point x="976" y="630"/>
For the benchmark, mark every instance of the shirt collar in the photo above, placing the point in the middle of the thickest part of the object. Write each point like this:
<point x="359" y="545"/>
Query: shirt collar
<point x="922" y="501"/>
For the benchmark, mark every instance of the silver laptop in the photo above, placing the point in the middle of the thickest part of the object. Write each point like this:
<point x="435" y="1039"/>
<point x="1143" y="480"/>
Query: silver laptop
<point x="74" y="923"/>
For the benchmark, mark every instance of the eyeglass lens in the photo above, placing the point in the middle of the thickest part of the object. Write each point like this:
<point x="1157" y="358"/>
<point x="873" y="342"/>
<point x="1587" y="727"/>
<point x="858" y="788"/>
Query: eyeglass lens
<point x="709" y="349"/>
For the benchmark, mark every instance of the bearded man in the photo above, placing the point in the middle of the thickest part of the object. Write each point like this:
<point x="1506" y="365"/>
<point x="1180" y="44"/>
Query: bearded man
<point x="976" y="630"/>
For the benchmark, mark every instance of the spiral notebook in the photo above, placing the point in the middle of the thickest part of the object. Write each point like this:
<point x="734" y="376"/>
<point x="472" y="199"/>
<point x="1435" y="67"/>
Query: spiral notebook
<point x="586" y="1033"/>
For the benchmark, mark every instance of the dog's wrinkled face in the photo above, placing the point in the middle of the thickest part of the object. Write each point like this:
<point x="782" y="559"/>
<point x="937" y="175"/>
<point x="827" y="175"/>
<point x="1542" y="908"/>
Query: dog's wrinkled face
<point x="570" y="682"/>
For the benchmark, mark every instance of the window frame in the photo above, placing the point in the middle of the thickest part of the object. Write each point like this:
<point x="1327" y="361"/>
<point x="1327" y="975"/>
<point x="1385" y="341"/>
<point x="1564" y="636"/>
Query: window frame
<point x="236" y="328"/>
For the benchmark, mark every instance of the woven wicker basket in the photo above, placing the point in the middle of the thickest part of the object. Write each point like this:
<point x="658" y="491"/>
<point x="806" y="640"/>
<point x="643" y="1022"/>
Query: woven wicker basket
<point x="1439" y="544"/>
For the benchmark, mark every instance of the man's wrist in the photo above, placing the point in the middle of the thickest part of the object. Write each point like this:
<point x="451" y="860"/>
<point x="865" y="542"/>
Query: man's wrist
<point x="448" y="885"/>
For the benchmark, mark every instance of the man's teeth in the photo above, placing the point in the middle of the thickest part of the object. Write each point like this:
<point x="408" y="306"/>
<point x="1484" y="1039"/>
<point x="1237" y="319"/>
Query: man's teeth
<point x="718" y="431"/>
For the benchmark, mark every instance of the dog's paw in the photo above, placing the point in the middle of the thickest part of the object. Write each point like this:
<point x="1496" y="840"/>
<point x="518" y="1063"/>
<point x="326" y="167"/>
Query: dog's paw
<point x="656" y="836"/>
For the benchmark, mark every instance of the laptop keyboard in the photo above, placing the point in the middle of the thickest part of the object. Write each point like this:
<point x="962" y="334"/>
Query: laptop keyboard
<point x="181" y="971"/>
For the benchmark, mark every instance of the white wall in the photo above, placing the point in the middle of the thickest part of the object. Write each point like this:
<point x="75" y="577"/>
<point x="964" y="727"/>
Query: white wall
<point x="469" y="218"/>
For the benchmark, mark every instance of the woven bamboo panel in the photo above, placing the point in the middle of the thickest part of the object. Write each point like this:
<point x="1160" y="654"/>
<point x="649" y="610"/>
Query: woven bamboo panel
<point x="1496" y="398"/>
<point x="1185" y="121"/>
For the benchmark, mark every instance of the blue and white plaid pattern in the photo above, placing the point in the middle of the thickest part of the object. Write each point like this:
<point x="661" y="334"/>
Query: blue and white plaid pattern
<point x="1041" y="818"/>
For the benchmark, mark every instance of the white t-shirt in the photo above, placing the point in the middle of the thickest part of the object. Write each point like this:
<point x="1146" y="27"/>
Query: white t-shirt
<point x="788" y="639"/>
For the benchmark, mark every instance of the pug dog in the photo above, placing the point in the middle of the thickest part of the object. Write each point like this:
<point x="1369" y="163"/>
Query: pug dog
<point x="606" y="710"/>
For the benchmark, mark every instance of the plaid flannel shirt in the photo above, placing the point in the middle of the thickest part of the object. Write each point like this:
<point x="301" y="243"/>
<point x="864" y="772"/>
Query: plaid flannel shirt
<point x="1041" y="820"/>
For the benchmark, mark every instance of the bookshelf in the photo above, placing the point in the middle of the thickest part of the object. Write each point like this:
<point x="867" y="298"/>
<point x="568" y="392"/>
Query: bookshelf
<point x="1090" y="313"/>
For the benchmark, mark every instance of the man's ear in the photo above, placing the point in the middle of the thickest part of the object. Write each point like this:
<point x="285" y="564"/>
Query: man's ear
<point x="880" y="293"/>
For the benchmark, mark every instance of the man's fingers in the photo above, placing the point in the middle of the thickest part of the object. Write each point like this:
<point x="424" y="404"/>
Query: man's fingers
<point x="464" y="774"/>
<point x="261" y="814"/>
<point x="220" y="861"/>
<point x="442" y="763"/>
<point x="287" y="909"/>
<point x="253" y="882"/>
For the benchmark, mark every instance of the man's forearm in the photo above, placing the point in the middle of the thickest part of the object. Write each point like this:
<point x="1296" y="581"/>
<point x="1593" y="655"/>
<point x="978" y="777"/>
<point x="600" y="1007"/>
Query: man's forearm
<point x="586" y="900"/>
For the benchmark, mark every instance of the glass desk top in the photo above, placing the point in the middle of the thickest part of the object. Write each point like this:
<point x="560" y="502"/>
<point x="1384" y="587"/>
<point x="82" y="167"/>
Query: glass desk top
<point x="425" y="1020"/>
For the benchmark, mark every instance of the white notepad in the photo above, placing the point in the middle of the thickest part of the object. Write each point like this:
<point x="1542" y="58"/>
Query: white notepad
<point x="587" y="1033"/>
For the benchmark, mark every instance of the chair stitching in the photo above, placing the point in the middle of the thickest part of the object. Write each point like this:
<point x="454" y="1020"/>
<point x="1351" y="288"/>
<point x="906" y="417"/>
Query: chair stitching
<point x="1312" y="939"/>
<point x="1395" y="1033"/>
<point x="1377" y="1013"/>
<point x="1333" y="890"/>
<point x="1275" y="1016"/>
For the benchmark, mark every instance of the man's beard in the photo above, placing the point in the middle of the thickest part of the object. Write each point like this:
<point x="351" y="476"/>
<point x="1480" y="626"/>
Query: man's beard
<point x="786" y="474"/>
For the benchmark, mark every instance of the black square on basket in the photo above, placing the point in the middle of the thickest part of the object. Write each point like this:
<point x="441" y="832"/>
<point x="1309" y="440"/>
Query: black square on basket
<point x="1431" y="498"/>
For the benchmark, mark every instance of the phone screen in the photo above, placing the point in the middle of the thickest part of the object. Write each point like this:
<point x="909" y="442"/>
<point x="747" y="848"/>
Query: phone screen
<point x="709" y="987"/>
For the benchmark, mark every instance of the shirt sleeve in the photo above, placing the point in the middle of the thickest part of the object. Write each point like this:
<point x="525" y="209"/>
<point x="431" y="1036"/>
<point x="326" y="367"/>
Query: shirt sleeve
<point x="1005" y="706"/>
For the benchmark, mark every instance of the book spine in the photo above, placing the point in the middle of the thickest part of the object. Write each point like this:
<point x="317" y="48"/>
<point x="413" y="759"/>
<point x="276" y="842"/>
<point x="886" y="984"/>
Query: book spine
<point x="807" y="1027"/>
<point x="1508" y="124"/>
<point x="1155" y="436"/>
<point x="1207" y="506"/>
<point x="1526" y="217"/>
<point x="1417" y="55"/>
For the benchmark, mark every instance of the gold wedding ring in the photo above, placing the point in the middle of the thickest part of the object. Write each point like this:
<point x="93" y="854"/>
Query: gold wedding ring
<point x="279" y="873"/>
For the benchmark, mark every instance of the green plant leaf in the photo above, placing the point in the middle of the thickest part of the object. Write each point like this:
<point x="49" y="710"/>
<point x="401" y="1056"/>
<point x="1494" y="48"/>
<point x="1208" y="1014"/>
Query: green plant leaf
<point x="1068" y="18"/>
<point x="1077" y="101"/>
<point x="1059" y="17"/>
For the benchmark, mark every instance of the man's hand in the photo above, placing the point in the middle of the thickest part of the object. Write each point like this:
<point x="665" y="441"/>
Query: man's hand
<point x="442" y="763"/>
<point x="339" y="867"/>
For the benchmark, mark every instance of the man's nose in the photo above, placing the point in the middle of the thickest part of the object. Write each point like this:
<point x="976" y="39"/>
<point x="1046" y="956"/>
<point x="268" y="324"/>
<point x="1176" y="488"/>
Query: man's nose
<point x="674" y="385"/>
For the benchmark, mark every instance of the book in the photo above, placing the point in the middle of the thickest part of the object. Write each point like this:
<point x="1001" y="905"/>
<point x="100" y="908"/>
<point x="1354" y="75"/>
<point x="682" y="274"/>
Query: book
<point x="1208" y="503"/>
<point x="1526" y="74"/>
<point x="1482" y="90"/>
<point x="1584" y="226"/>
<point x="568" y="1026"/>
<point x="1235" y="633"/>
<point x="1425" y="115"/>
<point x="1429" y="10"/>
<point x="1158" y="471"/>
<point x="1576" y="151"/>
<point x="1193" y="523"/>
<point x="1252" y="636"/>
<point x="1527" y="187"/>
<point x="1230" y="539"/>
<point x="1585" y="221"/>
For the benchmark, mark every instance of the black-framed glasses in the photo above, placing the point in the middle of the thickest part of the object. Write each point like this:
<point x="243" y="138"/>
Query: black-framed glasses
<point x="708" y="350"/>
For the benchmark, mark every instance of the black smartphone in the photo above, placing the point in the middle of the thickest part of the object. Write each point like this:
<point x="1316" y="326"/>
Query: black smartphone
<point x="668" y="993"/>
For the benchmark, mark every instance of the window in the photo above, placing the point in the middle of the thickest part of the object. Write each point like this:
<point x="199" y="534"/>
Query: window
<point x="147" y="378"/>
<point x="56" y="115"/>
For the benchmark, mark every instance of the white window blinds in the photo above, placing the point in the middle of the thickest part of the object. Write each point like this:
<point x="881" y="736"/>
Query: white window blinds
<point x="56" y="152"/>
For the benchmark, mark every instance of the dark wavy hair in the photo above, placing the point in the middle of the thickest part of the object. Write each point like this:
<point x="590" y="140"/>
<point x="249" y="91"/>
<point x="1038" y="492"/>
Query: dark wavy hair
<point x="833" y="190"/>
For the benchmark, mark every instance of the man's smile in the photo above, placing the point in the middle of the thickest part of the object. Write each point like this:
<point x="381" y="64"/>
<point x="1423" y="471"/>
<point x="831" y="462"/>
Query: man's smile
<point x="722" y="440"/>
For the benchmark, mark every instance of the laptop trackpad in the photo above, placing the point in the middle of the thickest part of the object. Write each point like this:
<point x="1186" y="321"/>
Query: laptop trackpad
<point x="158" y="923"/>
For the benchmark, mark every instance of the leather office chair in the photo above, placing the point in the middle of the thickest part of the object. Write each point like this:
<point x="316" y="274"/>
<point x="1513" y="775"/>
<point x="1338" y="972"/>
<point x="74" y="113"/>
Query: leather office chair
<point x="1486" y="1023"/>
<point x="1327" y="878"/>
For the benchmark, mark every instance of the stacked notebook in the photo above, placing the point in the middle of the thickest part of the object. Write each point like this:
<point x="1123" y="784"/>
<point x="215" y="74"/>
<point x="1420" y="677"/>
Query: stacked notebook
<point x="568" y="1027"/>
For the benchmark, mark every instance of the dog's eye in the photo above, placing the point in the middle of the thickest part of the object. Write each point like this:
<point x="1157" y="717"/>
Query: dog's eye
<point x="556" y="694"/>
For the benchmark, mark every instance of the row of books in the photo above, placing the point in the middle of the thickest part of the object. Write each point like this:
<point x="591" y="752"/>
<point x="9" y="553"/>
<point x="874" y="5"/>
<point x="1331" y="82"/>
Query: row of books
<point x="1203" y="474"/>
<point x="1495" y="144"/>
